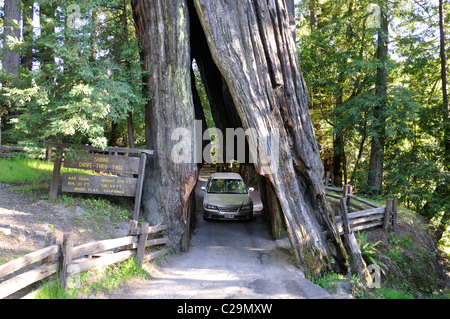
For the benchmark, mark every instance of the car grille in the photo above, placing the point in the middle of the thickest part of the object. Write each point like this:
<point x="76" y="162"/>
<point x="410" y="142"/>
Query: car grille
<point x="229" y="209"/>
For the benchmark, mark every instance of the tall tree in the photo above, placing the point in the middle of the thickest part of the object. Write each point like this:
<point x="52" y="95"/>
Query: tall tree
<point x="253" y="49"/>
<point x="11" y="33"/>
<point x="445" y="102"/>
<point x="375" y="179"/>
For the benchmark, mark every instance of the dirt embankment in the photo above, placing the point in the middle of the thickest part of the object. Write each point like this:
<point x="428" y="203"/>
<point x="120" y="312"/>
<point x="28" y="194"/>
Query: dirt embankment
<point x="25" y="219"/>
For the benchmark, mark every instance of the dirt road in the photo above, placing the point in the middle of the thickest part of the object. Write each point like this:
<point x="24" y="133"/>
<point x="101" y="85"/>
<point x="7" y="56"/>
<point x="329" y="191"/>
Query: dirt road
<point x="227" y="259"/>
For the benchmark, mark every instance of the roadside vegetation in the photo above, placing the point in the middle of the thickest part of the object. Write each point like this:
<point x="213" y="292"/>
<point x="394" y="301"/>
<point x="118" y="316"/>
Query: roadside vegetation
<point x="94" y="282"/>
<point x="412" y="263"/>
<point x="33" y="176"/>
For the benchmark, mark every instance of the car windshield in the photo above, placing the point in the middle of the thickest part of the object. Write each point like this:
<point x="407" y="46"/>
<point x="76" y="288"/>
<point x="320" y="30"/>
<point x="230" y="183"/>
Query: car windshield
<point x="227" y="186"/>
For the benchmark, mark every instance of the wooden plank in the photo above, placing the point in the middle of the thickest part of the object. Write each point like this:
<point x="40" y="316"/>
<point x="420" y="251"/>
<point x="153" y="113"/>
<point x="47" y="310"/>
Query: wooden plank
<point x="152" y="242"/>
<point x="109" y="149"/>
<point x="21" y="281"/>
<point x="104" y="185"/>
<point x="106" y="163"/>
<point x="394" y="213"/>
<point x="151" y="229"/>
<point x="361" y="220"/>
<point x="66" y="259"/>
<point x="334" y="196"/>
<point x="28" y="259"/>
<point x="334" y="189"/>
<point x="101" y="246"/>
<point x="50" y="239"/>
<point x="346" y="225"/>
<point x="140" y="183"/>
<point x="141" y="244"/>
<point x="387" y="214"/>
<point x="157" y="229"/>
<point x="359" y="199"/>
<point x="55" y="177"/>
<point x="100" y="262"/>
<point x="156" y="254"/>
<point x="366" y="226"/>
<point x="366" y="212"/>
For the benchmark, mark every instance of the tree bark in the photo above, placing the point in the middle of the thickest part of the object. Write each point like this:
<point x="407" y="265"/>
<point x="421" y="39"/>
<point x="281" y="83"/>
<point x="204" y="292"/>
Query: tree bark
<point x="27" y="54"/>
<point x="446" y="106"/>
<point x="11" y="60"/>
<point x="249" y="60"/>
<point x="255" y="52"/>
<point x="163" y="29"/>
<point x="375" y="178"/>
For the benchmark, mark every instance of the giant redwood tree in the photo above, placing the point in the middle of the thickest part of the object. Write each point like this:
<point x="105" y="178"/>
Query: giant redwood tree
<point x="246" y="55"/>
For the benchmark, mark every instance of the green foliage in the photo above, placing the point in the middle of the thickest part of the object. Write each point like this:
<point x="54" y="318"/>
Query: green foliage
<point x="54" y="290"/>
<point x="369" y="252"/>
<point x="339" y="63"/>
<point x="109" y="278"/>
<point x="86" y="78"/>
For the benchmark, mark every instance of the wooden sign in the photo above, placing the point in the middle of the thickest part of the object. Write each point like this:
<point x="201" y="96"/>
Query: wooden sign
<point x="102" y="184"/>
<point x="105" y="163"/>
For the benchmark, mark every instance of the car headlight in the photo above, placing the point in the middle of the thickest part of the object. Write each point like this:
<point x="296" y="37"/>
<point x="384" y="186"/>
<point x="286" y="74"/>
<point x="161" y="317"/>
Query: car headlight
<point x="208" y="206"/>
<point x="247" y="207"/>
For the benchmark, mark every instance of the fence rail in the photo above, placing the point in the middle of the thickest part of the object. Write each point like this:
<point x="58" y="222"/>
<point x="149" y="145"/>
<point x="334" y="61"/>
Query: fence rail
<point x="362" y="217"/>
<point x="67" y="260"/>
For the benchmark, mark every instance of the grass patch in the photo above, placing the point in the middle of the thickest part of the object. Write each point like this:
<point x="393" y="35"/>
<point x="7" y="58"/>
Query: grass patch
<point x="22" y="169"/>
<point x="108" y="279"/>
<point x="94" y="282"/>
<point x="31" y="176"/>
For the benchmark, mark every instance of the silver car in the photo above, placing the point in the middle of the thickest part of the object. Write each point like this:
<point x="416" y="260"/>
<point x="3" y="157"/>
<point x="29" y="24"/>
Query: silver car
<point x="227" y="197"/>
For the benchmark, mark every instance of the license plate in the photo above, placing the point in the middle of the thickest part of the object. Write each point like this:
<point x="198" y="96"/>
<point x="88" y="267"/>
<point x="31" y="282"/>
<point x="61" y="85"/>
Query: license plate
<point x="231" y="216"/>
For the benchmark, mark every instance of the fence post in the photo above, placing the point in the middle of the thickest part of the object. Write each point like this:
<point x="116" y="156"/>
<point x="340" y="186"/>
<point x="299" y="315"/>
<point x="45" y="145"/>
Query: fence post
<point x="143" y="234"/>
<point x="394" y="213"/>
<point x="346" y="226"/>
<point x="387" y="214"/>
<point x="66" y="258"/>
<point x="347" y="190"/>
<point x="327" y="178"/>
<point x="55" y="177"/>
<point x="50" y="239"/>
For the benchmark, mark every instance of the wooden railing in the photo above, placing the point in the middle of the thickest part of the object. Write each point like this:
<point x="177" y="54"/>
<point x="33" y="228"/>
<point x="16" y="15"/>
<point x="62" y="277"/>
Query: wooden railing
<point x="365" y="214"/>
<point x="66" y="259"/>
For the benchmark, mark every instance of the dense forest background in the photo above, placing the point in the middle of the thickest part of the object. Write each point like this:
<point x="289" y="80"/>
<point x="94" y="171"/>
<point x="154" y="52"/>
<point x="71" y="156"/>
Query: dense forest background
<point x="376" y="72"/>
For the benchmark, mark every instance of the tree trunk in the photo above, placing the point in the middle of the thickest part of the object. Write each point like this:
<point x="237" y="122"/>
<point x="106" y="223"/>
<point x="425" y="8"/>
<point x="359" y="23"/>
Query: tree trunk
<point x="163" y="30"/>
<point x="446" y="106"/>
<point x="375" y="179"/>
<point x="11" y="60"/>
<point x="255" y="52"/>
<point x="249" y="47"/>
<point x="27" y="54"/>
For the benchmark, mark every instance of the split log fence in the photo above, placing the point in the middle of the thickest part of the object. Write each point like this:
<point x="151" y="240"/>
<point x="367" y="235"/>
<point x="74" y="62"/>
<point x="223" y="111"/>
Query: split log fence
<point x="9" y="151"/>
<point x="356" y="213"/>
<point x="66" y="260"/>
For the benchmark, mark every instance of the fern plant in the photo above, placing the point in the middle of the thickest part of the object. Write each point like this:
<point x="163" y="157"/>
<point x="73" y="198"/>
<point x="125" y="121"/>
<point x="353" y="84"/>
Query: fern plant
<point x="370" y="254"/>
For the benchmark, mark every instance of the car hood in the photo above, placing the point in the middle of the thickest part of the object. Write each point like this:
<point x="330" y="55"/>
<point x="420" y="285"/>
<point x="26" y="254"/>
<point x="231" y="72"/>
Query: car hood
<point x="227" y="199"/>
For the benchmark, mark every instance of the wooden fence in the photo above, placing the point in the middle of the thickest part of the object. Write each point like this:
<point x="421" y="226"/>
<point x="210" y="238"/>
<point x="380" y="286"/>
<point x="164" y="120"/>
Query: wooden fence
<point x="67" y="259"/>
<point x="5" y="151"/>
<point x="356" y="213"/>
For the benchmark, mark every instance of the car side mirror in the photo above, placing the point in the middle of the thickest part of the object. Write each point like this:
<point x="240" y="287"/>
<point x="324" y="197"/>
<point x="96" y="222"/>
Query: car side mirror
<point x="251" y="189"/>
<point x="203" y="188"/>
